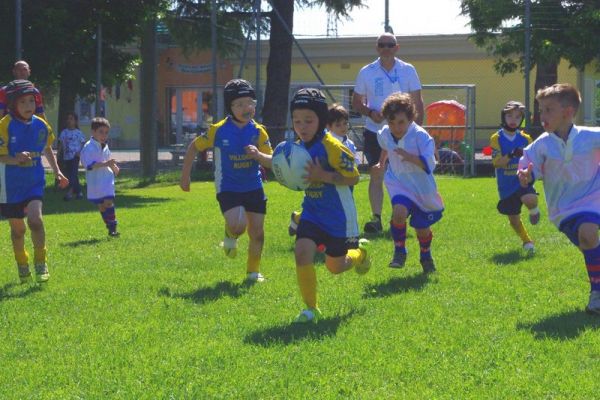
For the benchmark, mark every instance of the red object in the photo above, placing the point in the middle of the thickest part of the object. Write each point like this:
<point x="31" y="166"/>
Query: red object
<point x="487" y="151"/>
<point x="446" y="113"/>
<point x="321" y="248"/>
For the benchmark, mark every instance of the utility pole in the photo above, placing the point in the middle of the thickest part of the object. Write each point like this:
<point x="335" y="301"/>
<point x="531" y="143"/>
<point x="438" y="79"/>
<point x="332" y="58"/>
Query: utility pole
<point x="387" y="26"/>
<point x="18" y="34"/>
<point x="527" y="61"/>
<point x="213" y="43"/>
<point x="98" y="69"/>
<point x="257" y="11"/>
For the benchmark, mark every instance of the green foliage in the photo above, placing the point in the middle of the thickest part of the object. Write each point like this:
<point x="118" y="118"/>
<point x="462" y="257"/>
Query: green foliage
<point x="160" y="313"/>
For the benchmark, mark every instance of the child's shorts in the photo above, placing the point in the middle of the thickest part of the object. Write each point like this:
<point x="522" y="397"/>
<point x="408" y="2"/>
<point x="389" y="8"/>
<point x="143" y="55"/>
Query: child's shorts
<point x="334" y="246"/>
<point x="570" y="225"/>
<point x="101" y="200"/>
<point x="16" y="210"/>
<point x="253" y="201"/>
<point x="512" y="204"/>
<point x="419" y="219"/>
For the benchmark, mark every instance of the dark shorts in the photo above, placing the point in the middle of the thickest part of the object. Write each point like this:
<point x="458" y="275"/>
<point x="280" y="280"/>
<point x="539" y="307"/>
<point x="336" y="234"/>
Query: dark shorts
<point x="254" y="201"/>
<point x="512" y="204"/>
<point x="419" y="219"/>
<point x="16" y="210"/>
<point x="101" y="200"/>
<point x="334" y="246"/>
<point x="372" y="150"/>
<point x="570" y="226"/>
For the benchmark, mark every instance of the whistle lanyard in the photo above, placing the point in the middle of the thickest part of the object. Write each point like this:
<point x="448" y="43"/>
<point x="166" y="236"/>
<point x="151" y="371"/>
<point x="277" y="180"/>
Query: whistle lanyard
<point x="393" y="79"/>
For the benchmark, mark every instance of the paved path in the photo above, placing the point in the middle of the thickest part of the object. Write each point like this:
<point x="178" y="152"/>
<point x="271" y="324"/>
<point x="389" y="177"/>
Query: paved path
<point x="130" y="159"/>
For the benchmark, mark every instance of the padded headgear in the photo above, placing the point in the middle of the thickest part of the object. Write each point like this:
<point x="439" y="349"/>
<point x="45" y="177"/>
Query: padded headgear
<point x="512" y="105"/>
<point x="314" y="100"/>
<point x="234" y="89"/>
<point x="18" y="88"/>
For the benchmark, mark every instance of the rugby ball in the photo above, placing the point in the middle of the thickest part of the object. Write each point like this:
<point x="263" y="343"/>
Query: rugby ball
<point x="289" y="163"/>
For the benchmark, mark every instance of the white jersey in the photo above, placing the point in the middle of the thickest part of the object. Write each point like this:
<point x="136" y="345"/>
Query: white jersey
<point x="570" y="171"/>
<point x="100" y="181"/>
<point x="376" y="84"/>
<point x="405" y="178"/>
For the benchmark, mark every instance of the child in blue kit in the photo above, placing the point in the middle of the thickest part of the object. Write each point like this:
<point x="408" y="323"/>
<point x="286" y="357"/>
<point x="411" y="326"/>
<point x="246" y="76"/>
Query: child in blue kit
<point x="507" y="148"/>
<point x="566" y="158"/>
<point x="240" y="145"/>
<point x="100" y="172"/>
<point x="24" y="137"/>
<point x="328" y="211"/>
<point x="409" y="178"/>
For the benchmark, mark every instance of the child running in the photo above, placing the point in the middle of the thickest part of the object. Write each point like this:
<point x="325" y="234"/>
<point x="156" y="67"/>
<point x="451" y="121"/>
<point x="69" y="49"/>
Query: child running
<point x="328" y="211"/>
<point x="100" y="172"/>
<point x="566" y="158"/>
<point x="24" y="137"/>
<point x="240" y="146"/>
<point x="409" y="178"/>
<point x="507" y="148"/>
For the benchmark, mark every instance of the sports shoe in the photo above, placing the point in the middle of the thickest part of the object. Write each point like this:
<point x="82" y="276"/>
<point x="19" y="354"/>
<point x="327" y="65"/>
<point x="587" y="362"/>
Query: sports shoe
<point x="593" y="306"/>
<point x="24" y="273"/>
<point x="308" y="315"/>
<point x="79" y="196"/>
<point x="428" y="266"/>
<point x="255" y="277"/>
<point x="365" y="265"/>
<point x="113" y="233"/>
<point x="293" y="227"/>
<point x="398" y="261"/>
<point x="373" y="226"/>
<point x="529" y="248"/>
<point x="230" y="246"/>
<point x="534" y="218"/>
<point x="42" y="273"/>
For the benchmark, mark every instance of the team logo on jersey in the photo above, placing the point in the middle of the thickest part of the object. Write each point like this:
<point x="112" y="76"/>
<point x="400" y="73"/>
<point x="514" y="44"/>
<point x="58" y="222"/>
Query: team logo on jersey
<point x="225" y="142"/>
<point x="347" y="162"/>
<point x="41" y="139"/>
<point x="13" y="140"/>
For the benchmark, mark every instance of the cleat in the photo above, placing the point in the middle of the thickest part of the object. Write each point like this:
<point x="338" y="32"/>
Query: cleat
<point x="229" y="246"/>
<point x="308" y="315"/>
<point x="293" y="227"/>
<point x="593" y="306"/>
<point x="113" y="234"/>
<point x="428" y="266"/>
<point x="255" y="277"/>
<point x="373" y="226"/>
<point x="365" y="265"/>
<point x="534" y="218"/>
<point x="529" y="249"/>
<point x="24" y="274"/>
<point x="41" y="272"/>
<point x="398" y="261"/>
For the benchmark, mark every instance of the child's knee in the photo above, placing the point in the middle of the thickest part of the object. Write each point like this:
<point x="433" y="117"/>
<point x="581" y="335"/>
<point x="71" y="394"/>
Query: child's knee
<point x="17" y="232"/>
<point x="399" y="214"/>
<point x="530" y="200"/>
<point x="334" y="265"/>
<point x="588" y="236"/>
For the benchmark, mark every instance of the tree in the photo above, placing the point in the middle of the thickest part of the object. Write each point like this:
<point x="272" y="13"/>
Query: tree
<point x="559" y="30"/>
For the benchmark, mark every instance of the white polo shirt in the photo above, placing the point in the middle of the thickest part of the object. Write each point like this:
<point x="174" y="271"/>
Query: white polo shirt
<point x="100" y="181"/>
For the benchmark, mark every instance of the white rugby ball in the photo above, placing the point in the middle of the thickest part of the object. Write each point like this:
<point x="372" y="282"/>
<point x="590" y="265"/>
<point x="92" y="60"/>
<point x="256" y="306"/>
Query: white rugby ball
<point x="289" y="163"/>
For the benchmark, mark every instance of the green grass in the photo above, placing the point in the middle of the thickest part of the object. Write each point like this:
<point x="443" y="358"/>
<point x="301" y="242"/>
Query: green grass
<point x="160" y="313"/>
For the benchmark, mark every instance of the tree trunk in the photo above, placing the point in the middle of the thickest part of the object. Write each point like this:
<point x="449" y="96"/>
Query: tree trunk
<point x="148" y="133"/>
<point x="546" y="75"/>
<point x="279" y="70"/>
<point x="66" y="101"/>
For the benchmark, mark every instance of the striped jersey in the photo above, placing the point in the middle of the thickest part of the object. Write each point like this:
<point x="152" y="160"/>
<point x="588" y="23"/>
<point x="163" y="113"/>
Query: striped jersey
<point x="235" y="171"/>
<point x="503" y="143"/>
<point x="22" y="182"/>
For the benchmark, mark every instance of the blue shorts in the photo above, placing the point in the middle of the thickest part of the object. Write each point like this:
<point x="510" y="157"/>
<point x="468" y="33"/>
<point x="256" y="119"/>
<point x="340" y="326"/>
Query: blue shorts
<point x="334" y="246"/>
<point x="253" y="201"/>
<point x="511" y="205"/>
<point x="570" y="226"/>
<point x="419" y="219"/>
<point x="101" y="200"/>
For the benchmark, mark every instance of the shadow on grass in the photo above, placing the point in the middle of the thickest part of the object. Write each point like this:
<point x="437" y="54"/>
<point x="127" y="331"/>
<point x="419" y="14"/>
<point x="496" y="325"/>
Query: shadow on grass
<point x="565" y="326"/>
<point x="396" y="285"/>
<point x="86" y="242"/>
<point x="510" y="257"/>
<point x="54" y="204"/>
<point x="292" y="333"/>
<point x="211" y="293"/>
<point x="7" y="292"/>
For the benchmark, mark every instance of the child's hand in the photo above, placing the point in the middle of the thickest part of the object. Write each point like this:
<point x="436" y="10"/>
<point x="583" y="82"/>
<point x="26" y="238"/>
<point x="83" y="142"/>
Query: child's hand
<point x="403" y="153"/>
<point x="63" y="182"/>
<point x="525" y="176"/>
<point x="252" y="152"/>
<point x="23" y="157"/>
<point x="378" y="167"/>
<point x="314" y="172"/>
<point x="115" y="169"/>
<point x="184" y="183"/>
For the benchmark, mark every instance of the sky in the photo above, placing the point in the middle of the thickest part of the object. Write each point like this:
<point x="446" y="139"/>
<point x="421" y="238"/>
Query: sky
<point x="407" y="17"/>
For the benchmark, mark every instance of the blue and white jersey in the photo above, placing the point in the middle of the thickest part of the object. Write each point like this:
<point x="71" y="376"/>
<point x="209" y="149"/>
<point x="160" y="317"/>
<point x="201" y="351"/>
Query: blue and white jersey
<point x="405" y="178"/>
<point x="22" y="182"/>
<point x="72" y="141"/>
<point x="329" y="206"/>
<point x="346" y="141"/>
<point x="100" y="181"/>
<point x="503" y="143"/>
<point x="569" y="169"/>
<point x="235" y="171"/>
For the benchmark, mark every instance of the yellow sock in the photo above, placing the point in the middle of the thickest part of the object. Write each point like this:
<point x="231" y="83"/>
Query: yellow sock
<point x="253" y="263"/>
<point x="356" y="255"/>
<point x="39" y="255"/>
<point x="522" y="232"/>
<point x="307" y="281"/>
<point x="22" y="257"/>
<point x="296" y="216"/>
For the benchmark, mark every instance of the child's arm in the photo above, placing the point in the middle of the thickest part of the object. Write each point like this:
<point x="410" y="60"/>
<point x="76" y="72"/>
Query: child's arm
<point x="22" y="158"/>
<point x="263" y="159"/>
<point x="412" y="158"/>
<point x="188" y="161"/>
<point x="316" y="174"/>
<point x="63" y="182"/>
<point x="382" y="159"/>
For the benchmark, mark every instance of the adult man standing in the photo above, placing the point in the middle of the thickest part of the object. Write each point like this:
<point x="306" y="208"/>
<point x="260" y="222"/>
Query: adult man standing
<point x="21" y="70"/>
<point x="374" y="83"/>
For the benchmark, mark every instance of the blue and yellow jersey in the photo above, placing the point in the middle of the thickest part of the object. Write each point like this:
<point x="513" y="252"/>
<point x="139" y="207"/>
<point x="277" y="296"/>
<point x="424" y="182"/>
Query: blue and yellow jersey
<point x="502" y="144"/>
<point x="330" y="206"/>
<point x="235" y="171"/>
<point x="22" y="182"/>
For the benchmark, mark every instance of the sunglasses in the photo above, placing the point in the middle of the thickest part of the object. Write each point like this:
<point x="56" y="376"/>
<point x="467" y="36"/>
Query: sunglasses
<point x="388" y="45"/>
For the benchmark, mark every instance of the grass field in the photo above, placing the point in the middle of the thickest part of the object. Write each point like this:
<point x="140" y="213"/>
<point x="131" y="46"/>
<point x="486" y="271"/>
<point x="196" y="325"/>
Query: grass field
<point x="160" y="313"/>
